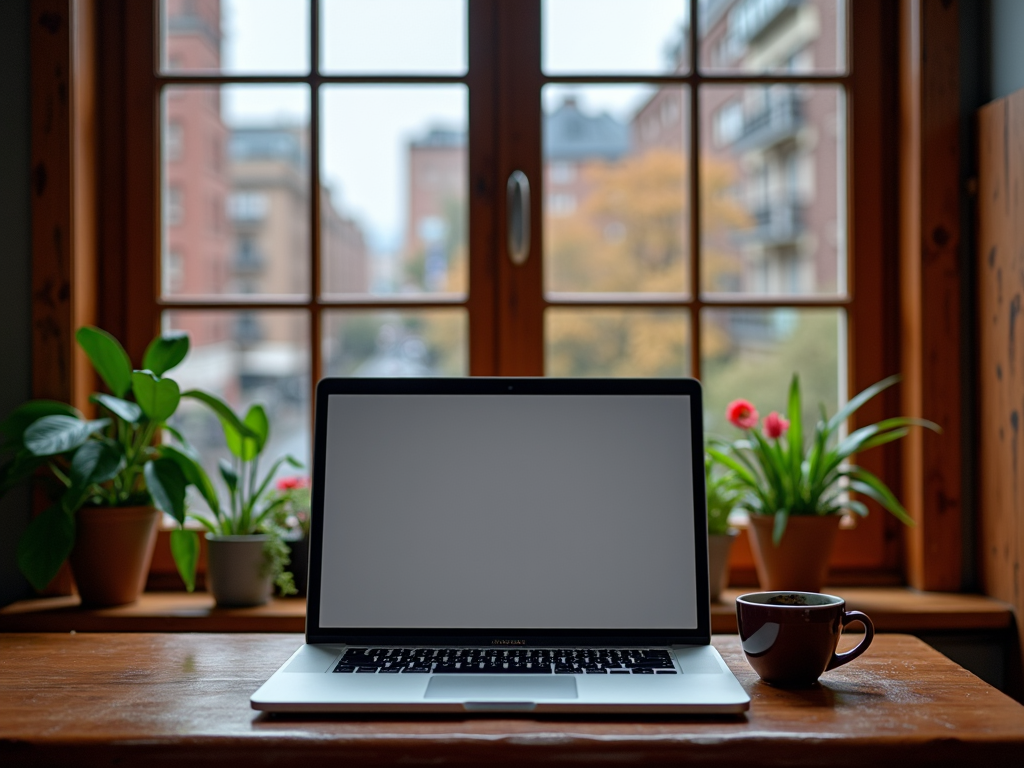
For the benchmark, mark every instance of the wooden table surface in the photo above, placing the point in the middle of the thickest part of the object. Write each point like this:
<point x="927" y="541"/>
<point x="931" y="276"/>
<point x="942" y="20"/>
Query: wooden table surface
<point x="893" y="609"/>
<point x="182" y="700"/>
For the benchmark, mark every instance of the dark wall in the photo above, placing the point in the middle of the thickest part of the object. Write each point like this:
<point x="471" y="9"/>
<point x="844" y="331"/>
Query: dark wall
<point x="15" y="263"/>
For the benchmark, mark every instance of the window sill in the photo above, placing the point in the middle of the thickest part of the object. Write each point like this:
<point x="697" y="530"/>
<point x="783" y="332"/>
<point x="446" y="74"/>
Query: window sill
<point x="892" y="609"/>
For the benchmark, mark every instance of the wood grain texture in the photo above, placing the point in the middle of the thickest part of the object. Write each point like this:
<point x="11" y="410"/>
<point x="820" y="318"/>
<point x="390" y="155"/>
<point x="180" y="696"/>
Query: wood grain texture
<point x="891" y="609"/>
<point x="930" y="288"/>
<point x="183" y="699"/>
<point x="1001" y="347"/>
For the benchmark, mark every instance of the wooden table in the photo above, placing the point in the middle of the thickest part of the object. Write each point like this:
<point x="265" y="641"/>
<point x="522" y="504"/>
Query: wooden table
<point x="182" y="700"/>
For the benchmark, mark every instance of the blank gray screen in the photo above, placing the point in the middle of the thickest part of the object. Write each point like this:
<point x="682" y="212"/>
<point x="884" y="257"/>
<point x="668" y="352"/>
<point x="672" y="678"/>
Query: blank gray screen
<point x="508" y="511"/>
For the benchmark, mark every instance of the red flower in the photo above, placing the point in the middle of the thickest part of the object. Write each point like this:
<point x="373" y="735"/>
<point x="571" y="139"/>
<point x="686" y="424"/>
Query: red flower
<point x="291" y="483"/>
<point x="742" y="414"/>
<point x="775" y="426"/>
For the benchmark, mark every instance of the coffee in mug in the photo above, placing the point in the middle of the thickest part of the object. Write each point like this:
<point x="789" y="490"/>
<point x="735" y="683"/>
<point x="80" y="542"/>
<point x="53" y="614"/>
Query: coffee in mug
<point x="790" y="638"/>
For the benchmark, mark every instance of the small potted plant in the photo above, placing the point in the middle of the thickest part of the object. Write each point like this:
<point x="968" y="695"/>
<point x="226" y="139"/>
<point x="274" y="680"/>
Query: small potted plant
<point x="246" y="552"/>
<point x="105" y="478"/>
<point x="723" y="492"/>
<point x="291" y="515"/>
<point x="796" y="494"/>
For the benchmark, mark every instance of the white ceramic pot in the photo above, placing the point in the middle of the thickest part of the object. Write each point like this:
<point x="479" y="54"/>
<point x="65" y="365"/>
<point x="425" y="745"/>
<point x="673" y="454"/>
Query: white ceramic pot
<point x="236" y="572"/>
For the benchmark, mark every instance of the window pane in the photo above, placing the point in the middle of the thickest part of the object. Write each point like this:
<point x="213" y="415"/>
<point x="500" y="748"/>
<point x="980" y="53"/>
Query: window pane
<point x="235" y="36"/>
<point x="773" y="180"/>
<point x="395" y="169"/>
<point x="412" y="37"/>
<point x="753" y="354"/>
<point x="236" y="190"/>
<point x="391" y="343"/>
<point x="245" y="358"/>
<point x="616" y="342"/>
<point x="615" y="36"/>
<point x="615" y="176"/>
<point x="757" y="36"/>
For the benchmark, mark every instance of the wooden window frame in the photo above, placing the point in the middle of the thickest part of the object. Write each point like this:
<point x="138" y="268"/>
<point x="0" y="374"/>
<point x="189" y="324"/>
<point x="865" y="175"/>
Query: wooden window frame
<point x="113" y="128"/>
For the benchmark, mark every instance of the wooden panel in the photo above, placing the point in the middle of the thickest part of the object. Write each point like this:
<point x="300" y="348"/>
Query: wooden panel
<point x="1000" y="262"/>
<point x="131" y="699"/>
<point x="930" y="287"/>
<point x="892" y="610"/>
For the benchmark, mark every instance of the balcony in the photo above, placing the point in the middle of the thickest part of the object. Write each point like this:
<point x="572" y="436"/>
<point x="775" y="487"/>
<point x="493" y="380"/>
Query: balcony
<point x="777" y="224"/>
<point x="779" y="121"/>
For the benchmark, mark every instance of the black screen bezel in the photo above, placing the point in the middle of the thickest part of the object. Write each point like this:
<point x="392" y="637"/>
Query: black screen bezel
<point x="515" y="387"/>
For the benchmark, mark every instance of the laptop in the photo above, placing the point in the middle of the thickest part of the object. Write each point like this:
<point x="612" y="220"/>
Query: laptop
<point x="507" y="545"/>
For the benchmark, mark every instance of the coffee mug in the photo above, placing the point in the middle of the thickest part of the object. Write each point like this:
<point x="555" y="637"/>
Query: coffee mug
<point x="790" y="638"/>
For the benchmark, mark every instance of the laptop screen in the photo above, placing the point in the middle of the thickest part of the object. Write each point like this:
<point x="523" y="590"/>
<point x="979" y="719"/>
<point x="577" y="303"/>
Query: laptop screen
<point x="514" y="511"/>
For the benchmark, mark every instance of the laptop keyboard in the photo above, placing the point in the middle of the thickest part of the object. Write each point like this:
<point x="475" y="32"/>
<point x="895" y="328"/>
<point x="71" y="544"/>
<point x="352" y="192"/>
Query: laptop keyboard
<point x="533" y="661"/>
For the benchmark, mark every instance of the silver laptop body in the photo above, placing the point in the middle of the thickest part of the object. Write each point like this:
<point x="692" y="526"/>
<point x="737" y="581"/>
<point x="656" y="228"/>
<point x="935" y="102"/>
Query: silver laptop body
<point x="507" y="545"/>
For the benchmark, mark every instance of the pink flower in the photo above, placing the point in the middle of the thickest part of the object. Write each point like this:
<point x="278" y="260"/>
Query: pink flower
<point x="742" y="414"/>
<point x="291" y="483"/>
<point x="775" y="426"/>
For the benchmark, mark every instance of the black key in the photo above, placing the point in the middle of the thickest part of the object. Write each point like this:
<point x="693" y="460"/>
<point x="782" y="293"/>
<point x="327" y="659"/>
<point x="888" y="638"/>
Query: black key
<point x="417" y="670"/>
<point x="618" y="671"/>
<point x="390" y="670"/>
<point x="344" y="668"/>
<point x="595" y="672"/>
<point x="366" y="670"/>
<point x="665" y="672"/>
<point x="643" y="671"/>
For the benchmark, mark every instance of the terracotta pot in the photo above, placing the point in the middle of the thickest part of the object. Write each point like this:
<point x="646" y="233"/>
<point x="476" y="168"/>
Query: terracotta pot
<point x="113" y="549"/>
<point x="800" y="561"/>
<point x="236" y="572"/>
<point x="719" y="547"/>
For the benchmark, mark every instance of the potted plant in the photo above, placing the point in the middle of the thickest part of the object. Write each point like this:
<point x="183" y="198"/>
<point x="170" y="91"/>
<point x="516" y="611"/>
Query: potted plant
<point x="796" y="494"/>
<point x="723" y="492"/>
<point x="246" y="552"/>
<point x="105" y="479"/>
<point x="291" y="515"/>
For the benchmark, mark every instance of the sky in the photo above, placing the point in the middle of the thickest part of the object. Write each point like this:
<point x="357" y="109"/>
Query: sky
<point x="366" y="129"/>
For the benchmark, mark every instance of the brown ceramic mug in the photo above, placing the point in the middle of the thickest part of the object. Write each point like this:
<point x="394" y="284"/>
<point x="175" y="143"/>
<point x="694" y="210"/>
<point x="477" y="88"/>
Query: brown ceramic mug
<point x="790" y="638"/>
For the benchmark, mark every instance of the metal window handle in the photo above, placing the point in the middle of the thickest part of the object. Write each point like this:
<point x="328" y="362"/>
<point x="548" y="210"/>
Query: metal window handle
<point x="518" y="191"/>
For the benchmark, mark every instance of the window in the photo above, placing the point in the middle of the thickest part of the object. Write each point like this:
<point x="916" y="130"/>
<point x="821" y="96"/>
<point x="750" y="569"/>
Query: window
<point x="690" y="194"/>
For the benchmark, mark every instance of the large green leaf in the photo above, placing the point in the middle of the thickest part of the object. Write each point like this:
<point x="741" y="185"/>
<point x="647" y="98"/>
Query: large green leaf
<point x="14" y="426"/>
<point x="234" y="430"/>
<point x="795" y="438"/>
<point x="853" y="405"/>
<point x="256" y="420"/>
<point x="51" y="435"/>
<point x="188" y="461"/>
<point x="779" y="525"/>
<point x="108" y="358"/>
<point x="167" y="485"/>
<point x="229" y="475"/>
<point x="19" y="470"/>
<point x="125" y="410"/>
<point x="45" y="545"/>
<point x="157" y="397"/>
<point x="165" y="351"/>
<point x="185" y="551"/>
<point x="96" y="462"/>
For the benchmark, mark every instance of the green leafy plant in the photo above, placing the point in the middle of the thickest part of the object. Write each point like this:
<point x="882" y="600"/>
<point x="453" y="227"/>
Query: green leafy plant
<point x="779" y="476"/>
<point x="292" y="513"/>
<point x="105" y="462"/>
<point x="724" y="493"/>
<point x="249" y="507"/>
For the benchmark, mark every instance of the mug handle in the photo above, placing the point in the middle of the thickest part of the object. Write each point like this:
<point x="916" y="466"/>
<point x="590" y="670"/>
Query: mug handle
<point x="850" y="617"/>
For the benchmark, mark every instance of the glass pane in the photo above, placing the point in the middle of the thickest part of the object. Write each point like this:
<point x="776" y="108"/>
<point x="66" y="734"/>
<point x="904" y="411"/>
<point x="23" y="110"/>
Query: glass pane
<point x="615" y="174"/>
<point x="235" y="190"/>
<point x="235" y="36"/>
<point x="773" y="181"/>
<point x="615" y="36"/>
<point x="395" y="212"/>
<point x="412" y="37"/>
<point x="758" y="36"/>
<point x="245" y="358"/>
<point x="429" y="342"/>
<point x="616" y="342"/>
<point x="753" y="354"/>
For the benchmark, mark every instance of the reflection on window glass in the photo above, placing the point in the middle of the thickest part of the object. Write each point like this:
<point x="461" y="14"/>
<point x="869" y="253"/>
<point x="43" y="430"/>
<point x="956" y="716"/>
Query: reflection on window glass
<point x="245" y="357"/>
<point x="756" y="36"/>
<point x="394" y="212"/>
<point x="615" y="36"/>
<point x="413" y="37"/>
<point x="615" y="175"/>
<point x="773" y="176"/>
<point x="753" y="354"/>
<point x="235" y="36"/>
<point x="236" y="190"/>
<point x="616" y="342"/>
<point x="392" y="343"/>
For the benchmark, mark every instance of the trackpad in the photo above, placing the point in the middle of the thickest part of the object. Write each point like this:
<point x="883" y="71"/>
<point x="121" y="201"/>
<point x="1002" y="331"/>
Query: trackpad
<point x="500" y="688"/>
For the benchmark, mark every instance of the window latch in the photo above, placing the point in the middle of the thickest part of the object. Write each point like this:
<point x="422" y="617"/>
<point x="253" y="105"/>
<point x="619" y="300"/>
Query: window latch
<point x="518" y="192"/>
